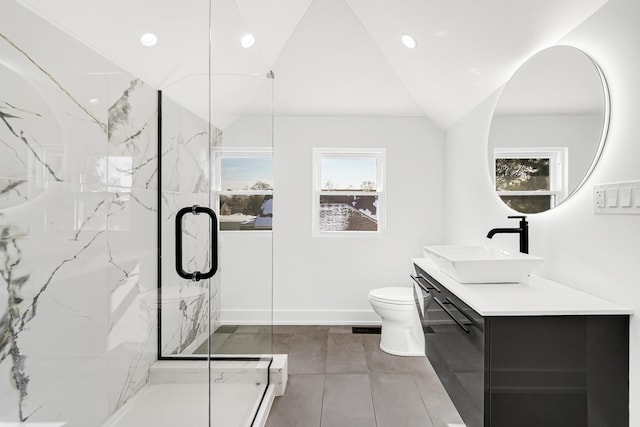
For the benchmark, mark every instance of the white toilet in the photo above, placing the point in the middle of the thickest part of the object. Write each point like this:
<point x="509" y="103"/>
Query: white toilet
<point x="401" y="328"/>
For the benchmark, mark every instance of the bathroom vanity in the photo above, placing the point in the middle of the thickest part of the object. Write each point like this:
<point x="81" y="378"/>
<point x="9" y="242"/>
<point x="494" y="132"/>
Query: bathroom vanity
<point x="525" y="354"/>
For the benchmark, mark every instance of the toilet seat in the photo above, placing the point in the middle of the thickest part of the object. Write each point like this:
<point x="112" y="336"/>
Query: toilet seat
<point x="395" y="296"/>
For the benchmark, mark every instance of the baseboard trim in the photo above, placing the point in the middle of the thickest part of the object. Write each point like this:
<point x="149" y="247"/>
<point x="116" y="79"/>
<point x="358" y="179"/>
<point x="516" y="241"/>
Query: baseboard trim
<point x="299" y="317"/>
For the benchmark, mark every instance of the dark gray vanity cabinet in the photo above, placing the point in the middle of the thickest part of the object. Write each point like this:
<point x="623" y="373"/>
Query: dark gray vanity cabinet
<point x="527" y="371"/>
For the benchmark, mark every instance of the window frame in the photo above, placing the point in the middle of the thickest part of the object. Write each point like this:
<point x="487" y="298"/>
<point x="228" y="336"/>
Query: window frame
<point x="340" y="153"/>
<point x="239" y="152"/>
<point x="558" y="170"/>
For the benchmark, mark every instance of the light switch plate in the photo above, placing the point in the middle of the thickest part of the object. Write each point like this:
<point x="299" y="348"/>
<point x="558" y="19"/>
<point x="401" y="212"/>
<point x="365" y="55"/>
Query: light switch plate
<point x="598" y="198"/>
<point x="617" y="198"/>
<point x="625" y="197"/>
<point x="612" y="197"/>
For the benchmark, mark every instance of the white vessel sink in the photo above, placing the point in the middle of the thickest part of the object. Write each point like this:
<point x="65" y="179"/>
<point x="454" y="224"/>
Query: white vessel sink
<point x="482" y="264"/>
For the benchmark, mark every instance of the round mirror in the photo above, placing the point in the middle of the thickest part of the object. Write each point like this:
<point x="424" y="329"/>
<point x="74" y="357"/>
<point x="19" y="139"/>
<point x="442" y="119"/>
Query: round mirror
<point x="548" y="129"/>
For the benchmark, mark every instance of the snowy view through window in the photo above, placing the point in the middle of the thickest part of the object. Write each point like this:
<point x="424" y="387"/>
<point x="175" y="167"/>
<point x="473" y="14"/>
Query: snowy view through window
<point x="349" y="193"/>
<point x="246" y="193"/>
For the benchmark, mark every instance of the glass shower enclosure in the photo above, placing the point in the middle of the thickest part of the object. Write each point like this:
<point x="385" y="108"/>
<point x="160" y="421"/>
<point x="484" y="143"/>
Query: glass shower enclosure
<point x="136" y="203"/>
<point x="215" y="234"/>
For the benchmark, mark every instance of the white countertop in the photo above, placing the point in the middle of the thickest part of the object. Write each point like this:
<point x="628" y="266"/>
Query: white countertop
<point x="538" y="297"/>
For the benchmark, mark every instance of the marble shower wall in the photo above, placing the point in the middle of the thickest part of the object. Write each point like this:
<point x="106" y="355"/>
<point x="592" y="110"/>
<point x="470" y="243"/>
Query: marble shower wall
<point x="78" y="206"/>
<point x="186" y="181"/>
<point x="131" y="202"/>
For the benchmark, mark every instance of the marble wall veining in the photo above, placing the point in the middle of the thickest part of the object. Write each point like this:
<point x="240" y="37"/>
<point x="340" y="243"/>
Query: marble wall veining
<point x="190" y="310"/>
<point x="78" y="234"/>
<point x="130" y="170"/>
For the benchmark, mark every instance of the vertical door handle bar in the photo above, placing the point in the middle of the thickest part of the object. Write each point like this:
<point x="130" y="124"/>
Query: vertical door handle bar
<point x="196" y="275"/>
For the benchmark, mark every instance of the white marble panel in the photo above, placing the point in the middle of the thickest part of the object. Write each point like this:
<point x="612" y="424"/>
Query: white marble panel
<point x="31" y="140"/>
<point x="52" y="301"/>
<point x="185" y="150"/>
<point x="53" y="111"/>
<point x="132" y="274"/>
<point x="15" y="191"/>
<point x="132" y="133"/>
<point x="78" y="165"/>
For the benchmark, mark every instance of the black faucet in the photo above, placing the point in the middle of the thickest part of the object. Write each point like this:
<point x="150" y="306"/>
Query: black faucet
<point x="522" y="230"/>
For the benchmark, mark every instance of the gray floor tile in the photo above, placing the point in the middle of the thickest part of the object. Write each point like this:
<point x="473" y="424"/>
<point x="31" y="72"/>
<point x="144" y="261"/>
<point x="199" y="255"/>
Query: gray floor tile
<point x="238" y="340"/>
<point x="347" y="401"/>
<point x="253" y="329"/>
<point x="345" y="354"/>
<point x="301" y="405"/>
<point x="213" y="347"/>
<point x="300" y="329"/>
<point x="244" y="344"/>
<point x="384" y="363"/>
<point x="307" y="354"/>
<point x="282" y="343"/>
<point x="340" y="329"/>
<point x="226" y="329"/>
<point x="397" y="401"/>
<point x="371" y="383"/>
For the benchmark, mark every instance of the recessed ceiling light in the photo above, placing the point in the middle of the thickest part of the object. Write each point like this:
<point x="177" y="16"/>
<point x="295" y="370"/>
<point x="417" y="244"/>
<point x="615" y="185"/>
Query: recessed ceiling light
<point x="247" y="41"/>
<point x="442" y="33"/>
<point x="409" y="41"/>
<point x="149" y="39"/>
<point x="94" y="101"/>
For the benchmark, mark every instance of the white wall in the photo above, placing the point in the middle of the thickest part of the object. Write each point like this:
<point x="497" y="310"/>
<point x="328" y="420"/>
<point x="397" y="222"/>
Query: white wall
<point x="595" y="253"/>
<point x="326" y="280"/>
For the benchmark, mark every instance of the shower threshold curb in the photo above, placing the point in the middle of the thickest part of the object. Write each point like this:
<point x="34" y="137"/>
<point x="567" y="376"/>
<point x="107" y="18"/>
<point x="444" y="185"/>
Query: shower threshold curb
<point x="196" y="373"/>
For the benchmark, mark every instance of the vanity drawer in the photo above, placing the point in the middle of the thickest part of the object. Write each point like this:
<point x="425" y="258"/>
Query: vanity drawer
<point x="448" y="301"/>
<point x="455" y="346"/>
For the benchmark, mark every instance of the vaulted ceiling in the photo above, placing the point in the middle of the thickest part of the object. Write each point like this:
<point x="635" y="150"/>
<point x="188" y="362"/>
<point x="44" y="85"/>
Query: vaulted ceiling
<point x="329" y="57"/>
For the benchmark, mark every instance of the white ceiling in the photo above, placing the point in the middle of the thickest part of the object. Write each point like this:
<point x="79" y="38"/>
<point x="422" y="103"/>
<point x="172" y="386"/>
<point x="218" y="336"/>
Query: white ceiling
<point x="330" y="57"/>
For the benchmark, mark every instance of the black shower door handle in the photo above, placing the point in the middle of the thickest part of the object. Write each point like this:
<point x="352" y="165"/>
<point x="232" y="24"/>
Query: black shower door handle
<point x="196" y="275"/>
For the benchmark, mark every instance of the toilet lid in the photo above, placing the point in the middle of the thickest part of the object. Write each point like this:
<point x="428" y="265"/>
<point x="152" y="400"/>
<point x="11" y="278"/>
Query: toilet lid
<point x="396" y="295"/>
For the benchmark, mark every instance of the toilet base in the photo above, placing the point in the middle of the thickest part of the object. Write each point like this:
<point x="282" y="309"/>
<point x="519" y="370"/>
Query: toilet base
<point x="400" y="353"/>
<point x="399" y="340"/>
<point x="401" y="331"/>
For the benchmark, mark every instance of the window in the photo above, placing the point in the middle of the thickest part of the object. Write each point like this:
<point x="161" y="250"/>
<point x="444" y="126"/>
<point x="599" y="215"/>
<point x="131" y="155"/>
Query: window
<point x="531" y="180"/>
<point x="245" y="189"/>
<point x="348" y="197"/>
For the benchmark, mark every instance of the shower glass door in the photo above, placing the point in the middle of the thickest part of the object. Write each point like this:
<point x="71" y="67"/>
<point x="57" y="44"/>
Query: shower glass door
<point x="215" y="223"/>
<point x="216" y="217"/>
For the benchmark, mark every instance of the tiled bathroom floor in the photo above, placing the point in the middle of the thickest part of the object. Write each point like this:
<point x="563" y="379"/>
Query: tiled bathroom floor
<point x="341" y="379"/>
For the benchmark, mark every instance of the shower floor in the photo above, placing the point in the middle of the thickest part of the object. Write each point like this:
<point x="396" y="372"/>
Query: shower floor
<point x="178" y="394"/>
<point x="173" y="405"/>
